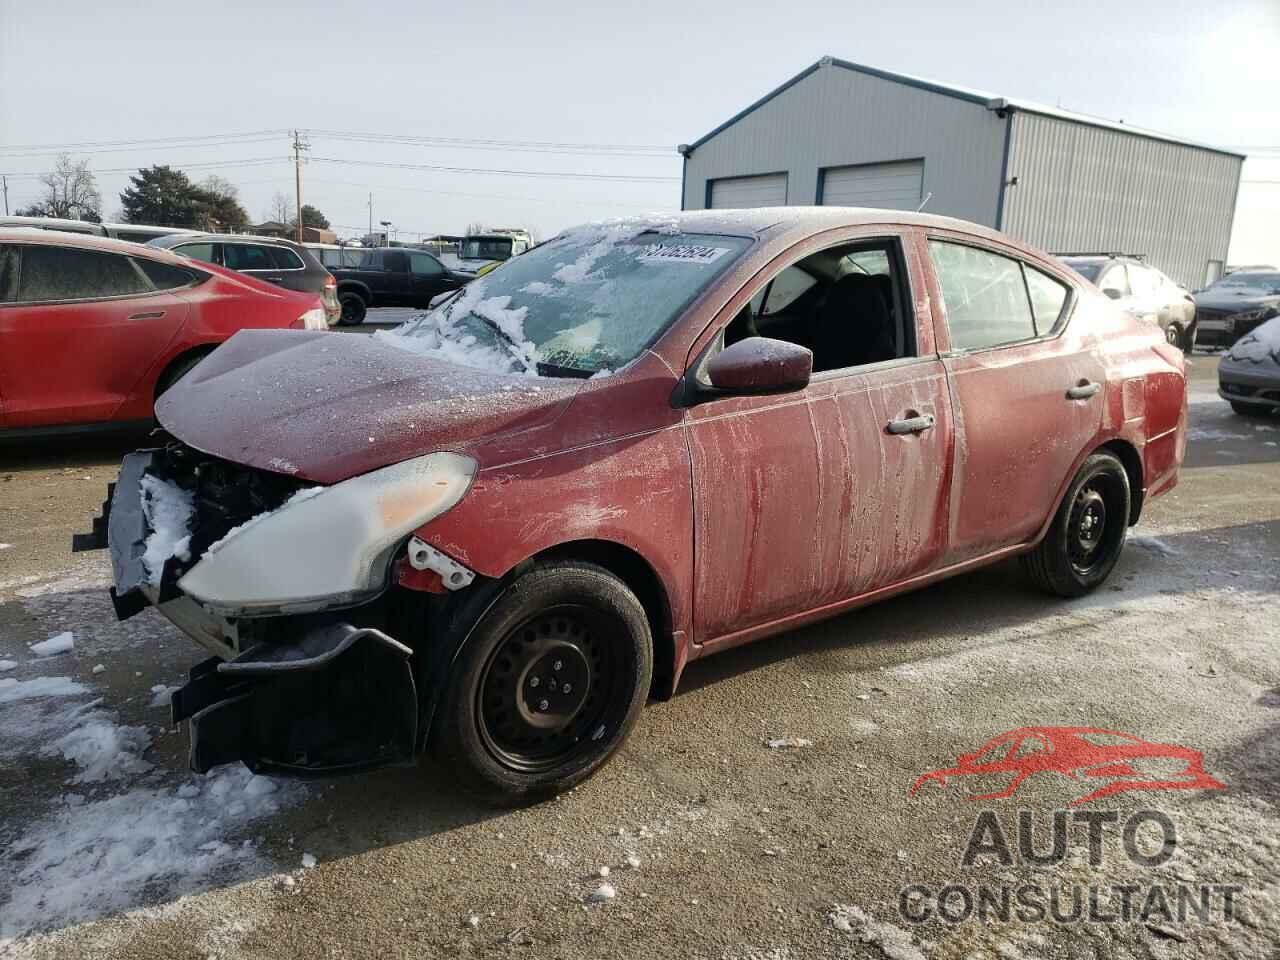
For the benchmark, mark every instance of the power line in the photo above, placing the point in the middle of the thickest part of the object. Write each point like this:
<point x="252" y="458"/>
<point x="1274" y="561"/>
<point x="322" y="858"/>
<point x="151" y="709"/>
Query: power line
<point x="144" y="142"/>
<point x="531" y="146"/>
<point x="138" y="149"/>
<point x="614" y="177"/>
<point x="202" y="164"/>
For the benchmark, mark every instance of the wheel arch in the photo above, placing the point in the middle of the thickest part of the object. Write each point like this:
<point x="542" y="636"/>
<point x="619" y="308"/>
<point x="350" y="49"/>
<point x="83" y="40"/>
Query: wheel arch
<point x="629" y="566"/>
<point x="1129" y="457"/>
<point x="356" y="287"/>
<point x="198" y="352"/>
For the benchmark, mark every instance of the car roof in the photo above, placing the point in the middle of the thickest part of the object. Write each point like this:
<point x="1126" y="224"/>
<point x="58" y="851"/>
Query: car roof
<point x="85" y="241"/>
<point x="164" y="242"/>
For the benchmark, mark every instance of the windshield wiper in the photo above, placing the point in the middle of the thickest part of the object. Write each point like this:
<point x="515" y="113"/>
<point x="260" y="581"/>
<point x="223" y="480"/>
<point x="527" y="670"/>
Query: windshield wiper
<point x="541" y="367"/>
<point x="555" y="370"/>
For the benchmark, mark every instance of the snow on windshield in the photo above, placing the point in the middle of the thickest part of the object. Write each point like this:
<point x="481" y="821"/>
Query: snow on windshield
<point x="587" y="302"/>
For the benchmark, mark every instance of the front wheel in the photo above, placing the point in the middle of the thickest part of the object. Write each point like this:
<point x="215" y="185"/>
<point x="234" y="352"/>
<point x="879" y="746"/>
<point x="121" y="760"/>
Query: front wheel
<point x="548" y="684"/>
<point x="1174" y="336"/>
<point x="1088" y="531"/>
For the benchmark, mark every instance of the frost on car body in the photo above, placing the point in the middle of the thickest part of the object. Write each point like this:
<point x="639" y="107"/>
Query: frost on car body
<point x="498" y="528"/>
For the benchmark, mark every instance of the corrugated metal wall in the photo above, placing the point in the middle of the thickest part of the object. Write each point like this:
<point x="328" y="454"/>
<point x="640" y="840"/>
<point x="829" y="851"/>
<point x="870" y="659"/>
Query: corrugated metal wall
<point x="836" y="117"/>
<point x="1084" y="188"/>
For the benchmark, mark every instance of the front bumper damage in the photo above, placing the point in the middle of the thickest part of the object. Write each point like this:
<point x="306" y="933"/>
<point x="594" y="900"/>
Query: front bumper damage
<point x="311" y="695"/>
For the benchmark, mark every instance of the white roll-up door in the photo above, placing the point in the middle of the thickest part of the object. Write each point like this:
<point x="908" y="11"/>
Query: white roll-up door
<point x="769" y="190"/>
<point x="893" y="185"/>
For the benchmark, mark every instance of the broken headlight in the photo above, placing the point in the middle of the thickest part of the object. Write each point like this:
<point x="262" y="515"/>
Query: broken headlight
<point x="329" y="547"/>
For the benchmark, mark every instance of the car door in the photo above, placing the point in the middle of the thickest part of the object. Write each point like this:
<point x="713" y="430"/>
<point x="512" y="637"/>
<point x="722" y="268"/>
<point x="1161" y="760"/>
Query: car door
<point x="254" y="259"/>
<point x="80" y="328"/>
<point x="1026" y="384"/>
<point x="427" y="279"/>
<point x="811" y="498"/>
<point x="395" y="279"/>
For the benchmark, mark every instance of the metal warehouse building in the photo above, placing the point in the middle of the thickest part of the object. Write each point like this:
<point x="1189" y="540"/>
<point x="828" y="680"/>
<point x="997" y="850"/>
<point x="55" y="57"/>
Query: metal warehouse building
<point x="844" y="134"/>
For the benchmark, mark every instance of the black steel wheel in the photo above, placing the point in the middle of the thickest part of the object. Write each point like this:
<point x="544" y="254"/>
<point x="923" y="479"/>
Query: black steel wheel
<point x="549" y="682"/>
<point x="1087" y="534"/>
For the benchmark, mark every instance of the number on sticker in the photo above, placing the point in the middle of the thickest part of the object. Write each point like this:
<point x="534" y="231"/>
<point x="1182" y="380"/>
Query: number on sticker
<point x="682" y="253"/>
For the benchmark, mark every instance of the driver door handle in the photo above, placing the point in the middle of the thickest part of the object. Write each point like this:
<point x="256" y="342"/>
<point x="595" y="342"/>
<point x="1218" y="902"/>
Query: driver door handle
<point x="917" y="424"/>
<point x="1083" y="390"/>
<point x="148" y="315"/>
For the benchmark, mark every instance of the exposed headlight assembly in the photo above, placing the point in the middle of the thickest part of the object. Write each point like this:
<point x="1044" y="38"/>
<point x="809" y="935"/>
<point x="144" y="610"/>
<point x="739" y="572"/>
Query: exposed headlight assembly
<point x="330" y="548"/>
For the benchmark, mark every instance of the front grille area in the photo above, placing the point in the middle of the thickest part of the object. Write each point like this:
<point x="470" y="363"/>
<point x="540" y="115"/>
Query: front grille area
<point x="226" y="495"/>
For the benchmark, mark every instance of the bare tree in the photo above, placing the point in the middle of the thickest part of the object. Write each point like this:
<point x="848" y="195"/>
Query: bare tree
<point x="221" y="187"/>
<point x="70" y="191"/>
<point x="281" y="209"/>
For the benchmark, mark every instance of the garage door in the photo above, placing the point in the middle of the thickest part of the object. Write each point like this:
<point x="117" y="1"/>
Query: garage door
<point x="769" y="190"/>
<point x="894" y="185"/>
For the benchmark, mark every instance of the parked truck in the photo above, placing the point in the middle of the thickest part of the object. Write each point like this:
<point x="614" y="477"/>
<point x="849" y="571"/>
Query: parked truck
<point x="392" y="277"/>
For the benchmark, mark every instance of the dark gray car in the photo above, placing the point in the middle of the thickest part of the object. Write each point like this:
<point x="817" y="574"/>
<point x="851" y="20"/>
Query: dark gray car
<point x="1236" y="305"/>
<point x="1249" y="373"/>
<point x="272" y="259"/>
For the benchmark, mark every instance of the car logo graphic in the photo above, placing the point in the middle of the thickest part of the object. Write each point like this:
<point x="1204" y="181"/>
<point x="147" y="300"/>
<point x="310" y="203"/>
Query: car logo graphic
<point x="1127" y="762"/>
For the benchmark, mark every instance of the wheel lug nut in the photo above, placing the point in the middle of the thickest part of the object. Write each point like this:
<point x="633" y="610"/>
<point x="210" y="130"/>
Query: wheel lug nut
<point x="556" y="666"/>
<point x="567" y="688"/>
<point x="543" y="705"/>
<point x="534" y="681"/>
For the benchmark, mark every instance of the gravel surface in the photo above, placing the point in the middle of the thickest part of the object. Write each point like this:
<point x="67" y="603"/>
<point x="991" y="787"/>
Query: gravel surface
<point x="765" y="812"/>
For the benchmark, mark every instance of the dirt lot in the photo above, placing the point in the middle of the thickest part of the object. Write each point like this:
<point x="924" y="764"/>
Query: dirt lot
<point x="737" y="849"/>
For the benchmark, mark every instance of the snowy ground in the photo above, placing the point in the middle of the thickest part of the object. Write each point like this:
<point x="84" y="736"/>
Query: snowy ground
<point x="763" y="813"/>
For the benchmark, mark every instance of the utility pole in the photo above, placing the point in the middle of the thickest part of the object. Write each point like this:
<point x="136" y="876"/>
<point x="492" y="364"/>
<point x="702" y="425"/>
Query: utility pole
<point x="299" y="146"/>
<point x="371" y="213"/>
<point x="4" y="181"/>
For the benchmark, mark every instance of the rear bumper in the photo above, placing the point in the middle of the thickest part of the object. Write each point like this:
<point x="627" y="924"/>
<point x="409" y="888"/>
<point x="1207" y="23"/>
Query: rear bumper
<point x="1257" y="389"/>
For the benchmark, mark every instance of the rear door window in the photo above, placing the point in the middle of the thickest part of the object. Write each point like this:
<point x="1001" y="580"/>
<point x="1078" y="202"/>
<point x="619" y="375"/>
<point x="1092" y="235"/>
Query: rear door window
<point x="285" y="259"/>
<point x="984" y="296"/>
<point x="395" y="261"/>
<point x="8" y="273"/>
<point x="246" y="256"/>
<point x="206" y="252"/>
<point x="65" y="273"/>
<point x="425" y="265"/>
<point x="165" y="276"/>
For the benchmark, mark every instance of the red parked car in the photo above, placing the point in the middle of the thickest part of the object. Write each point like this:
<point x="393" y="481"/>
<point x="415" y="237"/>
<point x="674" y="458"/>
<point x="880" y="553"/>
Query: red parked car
<point x="92" y="330"/>
<point x="516" y="518"/>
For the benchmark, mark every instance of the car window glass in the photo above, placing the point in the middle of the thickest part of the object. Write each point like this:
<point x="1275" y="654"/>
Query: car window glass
<point x="395" y="261"/>
<point x="197" y="251"/>
<point x="425" y="265"/>
<point x="995" y="753"/>
<point x="984" y="296"/>
<point x="8" y="273"/>
<point x="65" y="273"/>
<point x="1048" y="297"/>
<point x="874" y="262"/>
<point x="246" y="256"/>
<point x="1029" y="747"/>
<point x="786" y="287"/>
<point x="284" y="259"/>
<point x="1142" y="281"/>
<point x="847" y="320"/>
<point x="165" y="276"/>
<point x="1114" y="279"/>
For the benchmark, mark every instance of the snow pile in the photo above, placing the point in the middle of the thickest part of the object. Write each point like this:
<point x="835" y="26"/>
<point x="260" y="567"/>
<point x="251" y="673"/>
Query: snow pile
<point x="90" y="858"/>
<point x="12" y="690"/>
<point x="1152" y="545"/>
<point x="62" y="643"/>
<point x="167" y="509"/>
<point x="894" y="942"/>
<point x="103" y="750"/>
<point x="440" y="333"/>
<point x="161" y="695"/>
<point x="599" y="239"/>
<point x="6" y="665"/>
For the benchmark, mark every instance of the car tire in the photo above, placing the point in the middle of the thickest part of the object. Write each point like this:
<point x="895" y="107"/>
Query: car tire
<point x="1088" y="531"/>
<point x="353" y="309"/>
<point x="1175" y="337"/>
<point x="547" y="685"/>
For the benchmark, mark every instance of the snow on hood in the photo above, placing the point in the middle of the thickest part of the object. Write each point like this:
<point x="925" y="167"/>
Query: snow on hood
<point x="1259" y="346"/>
<point x="332" y="406"/>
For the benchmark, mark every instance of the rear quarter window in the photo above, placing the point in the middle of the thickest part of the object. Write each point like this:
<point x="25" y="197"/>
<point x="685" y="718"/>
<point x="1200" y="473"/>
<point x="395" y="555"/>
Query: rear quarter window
<point x="165" y="276"/>
<point x="286" y="259"/>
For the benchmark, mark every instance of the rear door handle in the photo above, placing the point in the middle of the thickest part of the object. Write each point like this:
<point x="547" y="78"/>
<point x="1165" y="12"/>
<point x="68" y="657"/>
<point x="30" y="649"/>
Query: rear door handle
<point x="1083" y="390"/>
<point x="911" y="424"/>
<point x="149" y="315"/>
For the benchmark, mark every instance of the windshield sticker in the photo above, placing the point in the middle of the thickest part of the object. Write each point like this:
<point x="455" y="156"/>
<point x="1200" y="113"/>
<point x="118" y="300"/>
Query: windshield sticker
<point x="681" y="253"/>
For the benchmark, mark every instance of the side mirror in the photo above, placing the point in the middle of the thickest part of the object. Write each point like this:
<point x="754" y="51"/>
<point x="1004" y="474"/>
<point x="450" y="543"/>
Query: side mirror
<point x="761" y="365"/>
<point x="1113" y="293"/>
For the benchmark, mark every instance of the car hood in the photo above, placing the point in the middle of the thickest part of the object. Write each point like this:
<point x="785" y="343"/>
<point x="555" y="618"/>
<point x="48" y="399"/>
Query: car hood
<point x="1257" y="350"/>
<point x="327" y="406"/>
<point x="1236" y="301"/>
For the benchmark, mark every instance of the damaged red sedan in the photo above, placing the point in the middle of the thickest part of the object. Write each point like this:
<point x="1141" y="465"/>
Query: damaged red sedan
<point x="496" y="531"/>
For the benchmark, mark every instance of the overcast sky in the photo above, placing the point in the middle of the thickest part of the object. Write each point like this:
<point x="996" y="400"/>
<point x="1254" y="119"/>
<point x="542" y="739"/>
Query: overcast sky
<point x="643" y="75"/>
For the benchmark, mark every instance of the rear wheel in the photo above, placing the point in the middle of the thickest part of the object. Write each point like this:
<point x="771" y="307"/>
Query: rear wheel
<point x="1175" y="337"/>
<point x="353" y="309"/>
<point x="177" y="370"/>
<point x="1088" y="531"/>
<point x="548" y="684"/>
